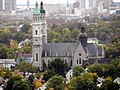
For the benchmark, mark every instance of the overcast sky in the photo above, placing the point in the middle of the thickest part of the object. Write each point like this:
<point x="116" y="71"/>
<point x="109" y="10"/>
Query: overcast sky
<point x="50" y="1"/>
<point x="46" y="1"/>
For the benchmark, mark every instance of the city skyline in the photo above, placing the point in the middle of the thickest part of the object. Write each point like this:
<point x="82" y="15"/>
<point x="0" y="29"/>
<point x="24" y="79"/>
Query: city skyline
<point x="51" y="1"/>
<point x="46" y="1"/>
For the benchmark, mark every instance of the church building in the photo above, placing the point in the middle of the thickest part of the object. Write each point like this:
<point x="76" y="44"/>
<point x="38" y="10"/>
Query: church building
<point x="79" y="53"/>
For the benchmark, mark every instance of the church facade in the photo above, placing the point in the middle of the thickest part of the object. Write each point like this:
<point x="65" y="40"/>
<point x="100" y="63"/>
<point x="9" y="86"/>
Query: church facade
<point x="74" y="53"/>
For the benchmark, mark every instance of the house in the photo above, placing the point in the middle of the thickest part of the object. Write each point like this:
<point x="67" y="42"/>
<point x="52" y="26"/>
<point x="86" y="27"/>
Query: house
<point x="7" y="63"/>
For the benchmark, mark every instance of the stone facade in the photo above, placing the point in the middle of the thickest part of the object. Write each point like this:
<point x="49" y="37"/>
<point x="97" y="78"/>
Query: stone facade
<point x="73" y="53"/>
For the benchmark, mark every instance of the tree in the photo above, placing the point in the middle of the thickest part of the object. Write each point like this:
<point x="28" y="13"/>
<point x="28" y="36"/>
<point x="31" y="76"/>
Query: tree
<point x="5" y="73"/>
<point x="26" y="49"/>
<point x="66" y="33"/>
<point x="56" y="82"/>
<point x="3" y="53"/>
<point x="58" y="66"/>
<point x="26" y="67"/>
<point x="97" y="68"/>
<point x="78" y="70"/>
<point x="75" y="34"/>
<point x="11" y="82"/>
<point x="112" y="69"/>
<point x="108" y="84"/>
<point x="48" y="74"/>
<point x="5" y="36"/>
<point x="21" y="85"/>
<point x="87" y="81"/>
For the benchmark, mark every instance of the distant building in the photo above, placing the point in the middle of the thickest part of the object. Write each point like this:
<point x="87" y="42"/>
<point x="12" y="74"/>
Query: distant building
<point x="74" y="53"/>
<point x="9" y="5"/>
<point x="1" y="5"/>
<point x="7" y="63"/>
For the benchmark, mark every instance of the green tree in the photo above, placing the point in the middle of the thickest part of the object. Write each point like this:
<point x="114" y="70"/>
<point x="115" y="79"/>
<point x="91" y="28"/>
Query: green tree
<point x="108" y="84"/>
<point x="59" y="66"/>
<point x="56" y="82"/>
<point x="113" y="69"/>
<point x="11" y="81"/>
<point x="87" y="81"/>
<point x="3" y="53"/>
<point x="78" y="70"/>
<point x="21" y="85"/>
<point x="26" y="67"/>
<point x="66" y="33"/>
<point x="97" y="68"/>
<point x="75" y="34"/>
<point x="5" y="36"/>
<point x="48" y="74"/>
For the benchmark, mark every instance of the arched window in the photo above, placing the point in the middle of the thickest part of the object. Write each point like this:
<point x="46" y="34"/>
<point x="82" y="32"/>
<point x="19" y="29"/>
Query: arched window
<point x="36" y="32"/>
<point x="77" y="61"/>
<point x="80" y="61"/>
<point x="36" y="57"/>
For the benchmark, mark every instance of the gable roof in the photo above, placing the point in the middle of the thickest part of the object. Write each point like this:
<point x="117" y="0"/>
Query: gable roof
<point x="62" y="49"/>
<point x="91" y="50"/>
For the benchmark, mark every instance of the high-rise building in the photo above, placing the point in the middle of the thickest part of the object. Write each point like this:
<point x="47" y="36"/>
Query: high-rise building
<point x="106" y="4"/>
<point x="81" y="3"/>
<point x="1" y="5"/>
<point x="28" y="4"/>
<point x="10" y="5"/>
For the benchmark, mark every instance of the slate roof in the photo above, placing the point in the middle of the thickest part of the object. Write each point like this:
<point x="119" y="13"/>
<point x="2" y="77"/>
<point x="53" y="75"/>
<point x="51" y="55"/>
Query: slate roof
<point x="63" y="49"/>
<point x="100" y="61"/>
<point x="66" y="49"/>
<point x="91" y="50"/>
<point x="99" y="50"/>
<point x="105" y="60"/>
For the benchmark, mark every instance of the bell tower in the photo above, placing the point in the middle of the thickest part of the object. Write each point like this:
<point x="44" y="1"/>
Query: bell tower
<point x="43" y="23"/>
<point x="83" y="36"/>
<point x="39" y="34"/>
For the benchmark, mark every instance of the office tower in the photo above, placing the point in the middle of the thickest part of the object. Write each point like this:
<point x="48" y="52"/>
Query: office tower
<point x="10" y="5"/>
<point x="13" y="4"/>
<point x="76" y="4"/>
<point x="1" y="5"/>
<point x="106" y="4"/>
<point x="87" y="4"/>
<point x="28" y="4"/>
<point x="81" y="4"/>
<point x="92" y="3"/>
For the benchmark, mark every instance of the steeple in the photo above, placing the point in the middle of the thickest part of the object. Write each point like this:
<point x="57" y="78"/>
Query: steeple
<point x="41" y="5"/>
<point x="41" y="8"/>
<point x="36" y="4"/>
<point x="28" y="4"/>
<point x="83" y="36"/>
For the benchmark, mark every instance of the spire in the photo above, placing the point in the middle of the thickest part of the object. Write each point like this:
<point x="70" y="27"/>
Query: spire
<point x="83" y="36"/>
<point x="67" y="4"/>
<point x="28" y="4"/>
<point x="41" y="8"/>
<point x="36" y="4"/>
<point x="41" y="5"/>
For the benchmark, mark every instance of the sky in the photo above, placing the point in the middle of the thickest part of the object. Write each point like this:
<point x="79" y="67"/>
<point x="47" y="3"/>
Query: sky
<point x="46" y="1"/>
<point x="50" y="1"/>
